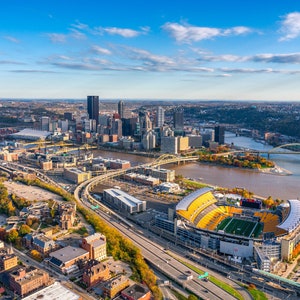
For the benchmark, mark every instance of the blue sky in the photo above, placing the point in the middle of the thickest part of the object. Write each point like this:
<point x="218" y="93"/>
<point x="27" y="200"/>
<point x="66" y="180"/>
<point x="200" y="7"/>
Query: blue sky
<point x="117" y="49"/>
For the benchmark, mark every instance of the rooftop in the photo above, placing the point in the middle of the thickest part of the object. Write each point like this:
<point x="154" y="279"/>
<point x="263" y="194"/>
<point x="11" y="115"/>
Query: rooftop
<point x="31" y="133"/>
<point x="186" y="201"/>
<point x="124" y="197"/>
<point x="293" y="219"/>
<point x="68" y="253"/>
<point x="55" y="291"/>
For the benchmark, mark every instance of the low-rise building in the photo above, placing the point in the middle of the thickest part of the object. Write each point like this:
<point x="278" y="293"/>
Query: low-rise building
<point x="169" y="187"/>
<point x="43" y="244"/>
<point x="54" y="291"/>
<point x="95" y="244"/>
<point x="136" y="292"/>
<point x="124" y="201"/>
<point x="64" y="259"/>
<point x="95" y="272"/>
<point x="143" y="179"/>
<point x="8" y="259"/>
<point x="76" y="175"/>
<point x="46" y="165"/>
<point x="115" y="285"/>
<point x="160" y="173"/>
<point x="67" y="214"/>
<point x="26" y="280"/>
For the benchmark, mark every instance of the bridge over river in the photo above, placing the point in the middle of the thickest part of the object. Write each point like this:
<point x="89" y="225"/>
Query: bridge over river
<point x="292" y="148"/>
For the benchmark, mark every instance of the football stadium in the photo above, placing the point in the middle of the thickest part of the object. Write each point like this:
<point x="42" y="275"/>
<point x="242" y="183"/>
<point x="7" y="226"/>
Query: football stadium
<point x="202" y="210"/>
<point x="244" y="230"/>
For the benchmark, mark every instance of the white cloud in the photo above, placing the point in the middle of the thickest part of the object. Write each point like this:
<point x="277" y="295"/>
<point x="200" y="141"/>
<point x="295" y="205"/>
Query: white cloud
<point x="290" y="26"/>
<point x="57" y="37"/>
<point x="259" y="71"/>
<point x="149" y="58"/>
<point x="224" y="57"/>
<point x="100" y="50"/>
<point x="80" y="26"/>
<point x="11" y="62"/>
<point x="290" y="58"/>
<point x="238" y="30"/>
<point x="187" y="33"/>
<point x="12" y="39"/>
<point x="287" y="58"/>
<point x="124" y="32"/>
<point x="76" y="34"/>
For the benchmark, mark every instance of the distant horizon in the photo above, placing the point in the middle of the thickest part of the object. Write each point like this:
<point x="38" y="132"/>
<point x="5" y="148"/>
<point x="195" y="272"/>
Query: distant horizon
<point x="190" y="50"/>
<point x="148" y="99"/>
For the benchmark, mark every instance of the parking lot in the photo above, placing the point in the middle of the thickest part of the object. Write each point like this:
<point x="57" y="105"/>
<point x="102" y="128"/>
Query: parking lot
<point x="30" y="193"/>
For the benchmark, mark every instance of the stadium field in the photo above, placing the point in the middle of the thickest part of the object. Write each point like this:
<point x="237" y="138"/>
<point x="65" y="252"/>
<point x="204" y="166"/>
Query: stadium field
<point x="240" y="227"/>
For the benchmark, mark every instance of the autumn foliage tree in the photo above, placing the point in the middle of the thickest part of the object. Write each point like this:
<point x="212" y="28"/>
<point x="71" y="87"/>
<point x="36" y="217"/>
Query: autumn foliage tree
<point x="117" y="245"/>
<point x="24" y="229"/>
<point x="36" y="255"/>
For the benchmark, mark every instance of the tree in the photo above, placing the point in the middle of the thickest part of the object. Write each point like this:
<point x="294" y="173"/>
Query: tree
<point x="192" y="297"/>
<point x="12" y="236"/>
<point x="36" y="255"/>
<point x="24" y="229"/>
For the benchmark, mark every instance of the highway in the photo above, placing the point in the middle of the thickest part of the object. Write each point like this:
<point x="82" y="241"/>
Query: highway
<point x="159" y="258"/>
<point x="153" y="252"/>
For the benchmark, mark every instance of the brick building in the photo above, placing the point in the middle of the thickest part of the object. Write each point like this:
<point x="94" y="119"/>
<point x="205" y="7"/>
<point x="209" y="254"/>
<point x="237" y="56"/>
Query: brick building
<point x="26" y="280"/>
<point x="67" y="214"/>
<point x="115" y="285"/>
<point x="8" y="259"/>
<point x="65" y="259"/>
<point x="44" y="244"/>
<point x="95" y="244"/>
<point x="136" y="292"/>
<point x="95" y="272"/>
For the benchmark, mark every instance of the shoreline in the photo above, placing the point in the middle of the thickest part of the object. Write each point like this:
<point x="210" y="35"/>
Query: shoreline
<point x="276" y="170"/>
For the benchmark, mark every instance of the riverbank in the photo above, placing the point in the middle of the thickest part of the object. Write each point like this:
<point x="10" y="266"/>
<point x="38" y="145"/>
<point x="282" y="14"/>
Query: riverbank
<point x="276" y="170"/>
<point x="134" y="152"/>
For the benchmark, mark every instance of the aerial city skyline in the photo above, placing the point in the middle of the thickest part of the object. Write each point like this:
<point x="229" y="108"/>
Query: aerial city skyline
<point x="200" y="51"/>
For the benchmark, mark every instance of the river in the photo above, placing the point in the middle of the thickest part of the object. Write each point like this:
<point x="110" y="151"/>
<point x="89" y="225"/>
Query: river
<point x="277" y="186"/>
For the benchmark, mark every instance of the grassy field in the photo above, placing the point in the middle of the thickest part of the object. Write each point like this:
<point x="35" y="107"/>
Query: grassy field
<point x="240" y="227"/>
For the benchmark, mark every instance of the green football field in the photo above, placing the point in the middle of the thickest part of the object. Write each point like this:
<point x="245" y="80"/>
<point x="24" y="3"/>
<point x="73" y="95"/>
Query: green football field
<point x="240" y="227"/>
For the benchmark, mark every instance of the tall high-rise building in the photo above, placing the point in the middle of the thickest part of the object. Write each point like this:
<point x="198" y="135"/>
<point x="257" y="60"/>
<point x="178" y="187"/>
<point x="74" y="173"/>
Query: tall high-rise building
<point x="220" y="135"/>
<point x="45" y="123"/>
<point x="93" y="108"/>
<point x="160" y="116"/>
<point x="68" y="116"/>
<point x="121" y="109"/>
<point x="178" y="119"/>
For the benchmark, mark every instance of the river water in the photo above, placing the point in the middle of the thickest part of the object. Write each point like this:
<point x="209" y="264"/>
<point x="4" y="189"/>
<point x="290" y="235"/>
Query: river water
<point x="277" y="186"/>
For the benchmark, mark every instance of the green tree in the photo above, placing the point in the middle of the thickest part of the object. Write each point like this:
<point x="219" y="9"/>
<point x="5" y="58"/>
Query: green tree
<point x="12" y="236"/>
<point x="24" y="229"/>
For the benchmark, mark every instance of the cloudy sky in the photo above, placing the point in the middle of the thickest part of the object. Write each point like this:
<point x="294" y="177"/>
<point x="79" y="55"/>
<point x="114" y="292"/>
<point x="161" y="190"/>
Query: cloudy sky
<point x="158" y="49"/>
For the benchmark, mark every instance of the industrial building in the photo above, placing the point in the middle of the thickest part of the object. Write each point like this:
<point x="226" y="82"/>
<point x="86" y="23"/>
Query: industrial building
<point x="124" y="201"/>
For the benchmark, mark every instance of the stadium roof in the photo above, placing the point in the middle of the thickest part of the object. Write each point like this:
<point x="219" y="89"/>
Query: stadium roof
<point x="31" y="134"/>
<point x="293" y="219"/>
<point x="186" y="201"/>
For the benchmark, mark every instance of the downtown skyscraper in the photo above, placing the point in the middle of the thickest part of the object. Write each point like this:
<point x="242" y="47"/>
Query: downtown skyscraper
<point x="121" y="109"/>
<point x="160" y="116"/>
<point x="93" y="108"/>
